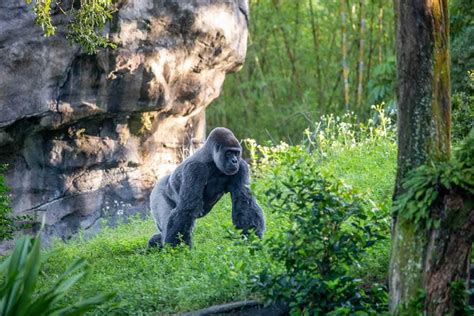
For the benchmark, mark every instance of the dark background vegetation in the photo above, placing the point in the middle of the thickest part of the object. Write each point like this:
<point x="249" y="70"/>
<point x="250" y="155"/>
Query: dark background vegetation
<point x="294" y="70"/>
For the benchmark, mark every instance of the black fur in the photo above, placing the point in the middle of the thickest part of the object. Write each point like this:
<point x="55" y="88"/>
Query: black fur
<point x="197" y="184"/>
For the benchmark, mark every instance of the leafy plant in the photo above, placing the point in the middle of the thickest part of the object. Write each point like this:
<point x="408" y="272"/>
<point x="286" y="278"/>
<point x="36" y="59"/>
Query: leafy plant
<point x="328" y="231"/>
<point x="459" y="298"/>
<point x="87" y="19"/>
<point x="414" y="307"/>
<point x="427" y="184"/>
<point x="7" y="225"/>
<point x="463" y="114"/>
<point x="381" y="86"/>
<point x="19" y="274"/>
<point x="43" y="18"/>
<point x="332" y="132"/>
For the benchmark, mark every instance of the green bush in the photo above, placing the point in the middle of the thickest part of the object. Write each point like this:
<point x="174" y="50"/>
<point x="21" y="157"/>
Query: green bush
<point x="19" y="274"/>
<point x="463" y="114"/>
<point x="9" y="223"/>
<point x="381" y="86"/>
<point x="462" y="56"/>
<point x="427" y="185"/>
<point x="7" y="226"/>
<point x="309" y="205"/>
<point x="462" y="68"/>
<point x="328" y="231"/>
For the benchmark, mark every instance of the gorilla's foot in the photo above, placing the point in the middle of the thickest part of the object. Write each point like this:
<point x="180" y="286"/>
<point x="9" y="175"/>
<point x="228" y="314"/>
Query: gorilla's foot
<point x="155" y="241"/>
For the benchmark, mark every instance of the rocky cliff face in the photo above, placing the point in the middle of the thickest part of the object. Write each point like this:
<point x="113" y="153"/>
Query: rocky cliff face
<point x="87" y="136"/>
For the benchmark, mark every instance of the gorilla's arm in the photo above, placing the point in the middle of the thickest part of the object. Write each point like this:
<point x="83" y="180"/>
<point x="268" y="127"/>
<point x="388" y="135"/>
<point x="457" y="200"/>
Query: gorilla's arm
<point x="246" y="213"/>
<point x="189" y="204"/>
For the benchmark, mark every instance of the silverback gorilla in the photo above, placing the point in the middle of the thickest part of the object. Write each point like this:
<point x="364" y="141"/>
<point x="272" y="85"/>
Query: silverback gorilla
<point x="197" y="184"/>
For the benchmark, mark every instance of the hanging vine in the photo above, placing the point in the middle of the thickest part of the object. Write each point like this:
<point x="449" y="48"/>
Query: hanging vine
<point x="86" y="21"/>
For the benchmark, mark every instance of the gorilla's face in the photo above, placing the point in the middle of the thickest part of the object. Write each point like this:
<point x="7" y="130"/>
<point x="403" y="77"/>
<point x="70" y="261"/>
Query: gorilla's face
<point x="229" y="161"/>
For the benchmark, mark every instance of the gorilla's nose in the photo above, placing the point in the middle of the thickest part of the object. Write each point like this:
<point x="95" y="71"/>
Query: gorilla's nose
<point x="234" y="161"/>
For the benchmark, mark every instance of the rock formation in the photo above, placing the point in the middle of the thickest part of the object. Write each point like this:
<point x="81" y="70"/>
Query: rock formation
<point x="86" y="136"/>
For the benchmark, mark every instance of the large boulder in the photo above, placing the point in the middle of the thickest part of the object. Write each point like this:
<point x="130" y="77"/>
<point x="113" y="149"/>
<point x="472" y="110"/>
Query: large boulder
<point x="87" y="136"/>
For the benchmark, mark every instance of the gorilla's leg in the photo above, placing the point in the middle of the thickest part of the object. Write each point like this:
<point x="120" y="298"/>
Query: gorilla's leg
<point x="246" y="213"/>
<point x="155" y="241"/>
<point x="189" y="205"/>
<point x="180" y="227"/>
<point x="161" y="208"/>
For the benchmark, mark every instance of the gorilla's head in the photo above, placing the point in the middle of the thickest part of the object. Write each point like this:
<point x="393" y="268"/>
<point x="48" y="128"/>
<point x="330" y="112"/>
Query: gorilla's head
<point x="226" y="150"/>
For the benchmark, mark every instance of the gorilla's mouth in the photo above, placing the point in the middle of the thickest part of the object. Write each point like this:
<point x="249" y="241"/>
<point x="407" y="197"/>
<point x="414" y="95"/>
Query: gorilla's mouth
<point x="231" y="170"/>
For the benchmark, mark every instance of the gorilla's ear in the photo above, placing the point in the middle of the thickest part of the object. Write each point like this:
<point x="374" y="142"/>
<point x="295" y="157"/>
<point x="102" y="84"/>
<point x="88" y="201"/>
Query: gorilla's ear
<point x="217" y="154"/>
<point x="218" y="157"/>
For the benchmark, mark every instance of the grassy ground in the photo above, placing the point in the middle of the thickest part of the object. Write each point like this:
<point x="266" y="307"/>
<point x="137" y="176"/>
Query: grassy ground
<point x="219" y="268"/>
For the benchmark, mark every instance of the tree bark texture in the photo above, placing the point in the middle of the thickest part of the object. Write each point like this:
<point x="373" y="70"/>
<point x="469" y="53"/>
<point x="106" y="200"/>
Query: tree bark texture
<point x="315" y="30"/>
<point x="381" y="31"/>
<point x="360" y="73"/>
<point x="345" y="66"/>
<point x="423" y="90"/>
<point x="424" y="263"/>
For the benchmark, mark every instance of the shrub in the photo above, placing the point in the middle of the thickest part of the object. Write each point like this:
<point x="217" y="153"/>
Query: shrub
<point x="7" y="226"/>
<point x="463" y="114"/>
<point x="9" y="223"/>
<point x="328" y="231"/>
<point x="381" y="85"/>
<point x="428" y="185"/>
<point x="462" y="53"/>
<point x="19" y="275"/>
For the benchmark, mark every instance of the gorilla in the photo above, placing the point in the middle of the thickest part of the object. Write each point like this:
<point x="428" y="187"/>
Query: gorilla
<point x="196" y="185"/>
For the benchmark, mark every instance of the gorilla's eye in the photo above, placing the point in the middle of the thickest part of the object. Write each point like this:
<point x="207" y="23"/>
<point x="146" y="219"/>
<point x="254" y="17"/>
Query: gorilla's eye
<point x="231" y="154"/>
<point x="232" y="157"/>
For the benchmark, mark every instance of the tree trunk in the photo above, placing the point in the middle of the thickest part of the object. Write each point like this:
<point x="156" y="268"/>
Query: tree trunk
<point x="345" y="66"/>
<point x="370" y="49"/>
<point x="360" y="73"/>
<point x="424" y="263"/>
<point x="381" y="30"/>
<point x="290" y="52"/>
<point x="315" y="31"/>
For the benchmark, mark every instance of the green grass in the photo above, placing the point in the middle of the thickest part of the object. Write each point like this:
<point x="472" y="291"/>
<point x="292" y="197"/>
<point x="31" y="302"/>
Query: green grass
<point x="219" y="267"/>
<point x="368" y="167"/>
<point x="161" y="281"/>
